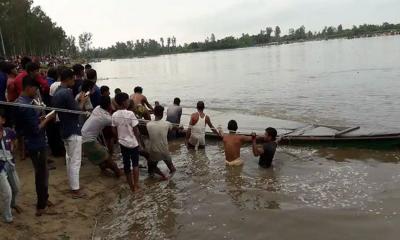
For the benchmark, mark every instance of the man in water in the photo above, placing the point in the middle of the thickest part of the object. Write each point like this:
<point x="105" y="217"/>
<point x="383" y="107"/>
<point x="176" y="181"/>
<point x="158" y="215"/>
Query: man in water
<point x="196" y="133"/>
<point x="158" y="145"/>
<point x="232" y="145"/>
<point x="267" y="152"/>
<point x="113" y="102"/>
<point x="174" y="114"/>
<point x="142" y="106"/>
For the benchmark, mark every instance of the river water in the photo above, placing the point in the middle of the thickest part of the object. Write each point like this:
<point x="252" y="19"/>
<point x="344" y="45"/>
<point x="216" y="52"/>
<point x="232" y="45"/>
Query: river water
<point x="311" y="193"/>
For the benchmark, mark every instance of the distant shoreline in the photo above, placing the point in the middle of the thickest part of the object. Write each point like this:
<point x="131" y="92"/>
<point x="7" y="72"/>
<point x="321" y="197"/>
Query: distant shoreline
<point x="372" y="35"/>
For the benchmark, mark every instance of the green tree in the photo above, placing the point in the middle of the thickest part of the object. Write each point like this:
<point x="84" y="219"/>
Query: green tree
<point x="85" y="41"/>
<point x="277" y="32"/>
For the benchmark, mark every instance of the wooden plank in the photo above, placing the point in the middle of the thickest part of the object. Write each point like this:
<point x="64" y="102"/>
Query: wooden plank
<point x="347" y="131"/>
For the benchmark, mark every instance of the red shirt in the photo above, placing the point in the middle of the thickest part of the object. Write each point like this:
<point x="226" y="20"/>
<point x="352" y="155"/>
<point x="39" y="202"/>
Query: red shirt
<point x="12" y="94"/>
<point x="40" y="79"/>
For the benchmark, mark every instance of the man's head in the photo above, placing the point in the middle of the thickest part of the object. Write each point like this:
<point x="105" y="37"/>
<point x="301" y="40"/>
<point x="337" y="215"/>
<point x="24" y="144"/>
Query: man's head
<point x="105" y="91"/>
<point x="30" y="86"/>
<point x="91" y="75"/>
<point x="87" y="67"/>
<point x="200" y="106"/>
<point x="79" y="70"/>
<point x="53" y="73"/>
<point x="122" y="100"/>
<point x="25" y="61"/>
<point x="177" y="101"/>
<point x="159" y="111"/>
<point x="87" y="86"/>
<point x="138" y="90"/>
<point x="270" y="134"/>
<point x="32" y="69"/>
<point x="67" y="77"/>
<point x="105" y="103"/>
<point x="117" y="90"/>
<point x="10" y="69"/>
<point x="232" y="126"/>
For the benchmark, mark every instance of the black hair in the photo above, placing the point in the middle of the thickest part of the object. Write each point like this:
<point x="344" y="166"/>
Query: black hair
<point x="3" y="65"/>
<point x="104" y="89"/>
<point x="29" y="81"/>
<point x="66" y="74"/>
<point x="53" y="73"/>
<point x="158" y="111"/>
<point x="3" y="113"/>
<point x="120" y="98"/>
<point x="25" y="61"/>
<point x="78" y="69"/>
<point x="200" y="105"/>
<point x="31" y="67"/>
<point x="177" y="101"/>
<point x="91" y="74"/>
<point x="8" y="67"/>
<point x="88" y="66"/>
<point x="138" y="89"/>
<point x="87" y="86"/>
<point x="117" y="90"/>
<point x="232" y="126"/>
<point x="105" y="102"/>
<point x="272" y="133"/>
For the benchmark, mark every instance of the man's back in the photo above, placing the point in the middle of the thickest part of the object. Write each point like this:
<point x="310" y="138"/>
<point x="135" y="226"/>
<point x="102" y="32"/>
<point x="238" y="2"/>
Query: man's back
<point x="232" y="145"/>
<point x="158" y="133"/>
<point x="125" y="121"/>
<point x="174" y="113"/>
<point x="267" y="157"/>
<point x="99" y="119"/>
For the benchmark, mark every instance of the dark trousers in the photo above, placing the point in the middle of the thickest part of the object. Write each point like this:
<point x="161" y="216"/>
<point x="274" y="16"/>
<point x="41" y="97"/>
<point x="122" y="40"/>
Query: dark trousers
<point x="130" y="157"/>
<point x="39" y="160"/>
<point x="56" y="143"/>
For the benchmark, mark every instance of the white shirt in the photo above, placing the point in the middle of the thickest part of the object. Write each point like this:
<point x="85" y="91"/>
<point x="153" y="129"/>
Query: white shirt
<point x="125" y="121"/>
<point x="99" y="119"/>
<point x="158" y="134"/>
<point x="54" y="87"/>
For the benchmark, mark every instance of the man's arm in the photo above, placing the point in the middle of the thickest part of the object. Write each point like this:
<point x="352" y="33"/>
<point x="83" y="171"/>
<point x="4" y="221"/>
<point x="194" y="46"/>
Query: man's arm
<point x="256" y="150"/>
<point x="208" y="121"/>
<point x="179" y="116"/>
<point x="148" y="104"/>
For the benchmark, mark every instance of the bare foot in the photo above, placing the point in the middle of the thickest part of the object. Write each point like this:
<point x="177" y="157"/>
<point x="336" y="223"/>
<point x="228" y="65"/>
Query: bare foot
<point x="78" y="194"/>
<point x="17" y="209"/>
<point x="41" y="212"/>
<point x="50" y="204"/>
<point x="164" y="178"/>
<point x="135" y="189"/>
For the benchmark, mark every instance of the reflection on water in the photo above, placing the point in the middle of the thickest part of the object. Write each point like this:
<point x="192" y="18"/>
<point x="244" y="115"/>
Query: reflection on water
<point x="206" y="198"/>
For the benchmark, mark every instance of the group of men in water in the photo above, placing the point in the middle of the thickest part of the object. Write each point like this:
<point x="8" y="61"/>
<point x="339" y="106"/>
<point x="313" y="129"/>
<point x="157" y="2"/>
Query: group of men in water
<point x="123" y="120"/>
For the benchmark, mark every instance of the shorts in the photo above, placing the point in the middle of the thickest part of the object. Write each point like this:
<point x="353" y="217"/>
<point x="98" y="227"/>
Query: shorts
<point x="197" y="141"/>
<point x="155" y="157"/>
<point x="236" y="162"/>
<point x="130" y="157"/>
<point x="95" y="152"/>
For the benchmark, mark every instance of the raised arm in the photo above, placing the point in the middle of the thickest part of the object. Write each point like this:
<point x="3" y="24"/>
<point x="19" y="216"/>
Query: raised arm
<point x="257" y="151"/>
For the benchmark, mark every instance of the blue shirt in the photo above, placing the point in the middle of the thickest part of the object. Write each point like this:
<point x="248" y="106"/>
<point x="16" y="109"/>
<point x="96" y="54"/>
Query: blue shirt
<point x="3" y="86"/>
<point x="69" y="122"/>
<point x="27" y="123"/>
<point x="6" y="155"/>
<point x="95" y="97"/>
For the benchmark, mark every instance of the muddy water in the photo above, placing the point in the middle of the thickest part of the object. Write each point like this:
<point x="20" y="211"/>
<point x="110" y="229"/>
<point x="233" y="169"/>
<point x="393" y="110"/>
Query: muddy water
<point x="309" y="194"/>
<point x="312" y="193"/>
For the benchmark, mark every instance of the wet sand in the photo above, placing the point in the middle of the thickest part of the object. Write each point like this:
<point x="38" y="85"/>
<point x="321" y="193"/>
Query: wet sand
<point x="309" y="194"/>
<point x="76" y="218"/>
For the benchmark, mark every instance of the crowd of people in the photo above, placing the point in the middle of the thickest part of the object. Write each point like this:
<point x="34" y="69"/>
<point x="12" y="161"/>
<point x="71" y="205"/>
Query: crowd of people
<point x="92" y="124"/>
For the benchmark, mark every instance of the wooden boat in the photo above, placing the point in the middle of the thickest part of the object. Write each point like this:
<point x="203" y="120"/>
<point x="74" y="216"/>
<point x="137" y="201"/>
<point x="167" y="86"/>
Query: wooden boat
<point x="333" y="136"/>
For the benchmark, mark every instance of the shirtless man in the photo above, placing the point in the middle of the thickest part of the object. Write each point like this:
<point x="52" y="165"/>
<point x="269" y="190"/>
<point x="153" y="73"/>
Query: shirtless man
<point x="232" y="145"/>
<point x="196" y="133"/>
<point x="142" y="106"/>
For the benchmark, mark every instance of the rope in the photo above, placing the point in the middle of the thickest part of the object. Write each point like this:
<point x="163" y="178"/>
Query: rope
<point x="142" y="122"/>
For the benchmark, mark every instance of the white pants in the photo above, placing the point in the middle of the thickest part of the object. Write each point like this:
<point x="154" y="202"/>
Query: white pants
<point x="73" y="148"/>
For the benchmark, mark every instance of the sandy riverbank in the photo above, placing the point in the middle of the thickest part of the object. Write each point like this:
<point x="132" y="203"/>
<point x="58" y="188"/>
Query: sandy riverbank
<point x="76" y="218"/>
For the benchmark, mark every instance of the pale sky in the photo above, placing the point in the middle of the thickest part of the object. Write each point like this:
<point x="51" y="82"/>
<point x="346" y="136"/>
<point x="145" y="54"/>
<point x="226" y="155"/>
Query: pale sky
<point x="194" y="20"/>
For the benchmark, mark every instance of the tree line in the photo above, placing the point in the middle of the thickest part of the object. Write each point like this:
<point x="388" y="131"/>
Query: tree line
<point x="269" y="35"/>
<point x="26" y="30"/>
